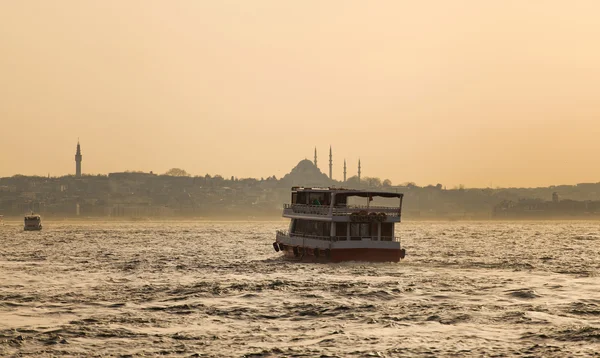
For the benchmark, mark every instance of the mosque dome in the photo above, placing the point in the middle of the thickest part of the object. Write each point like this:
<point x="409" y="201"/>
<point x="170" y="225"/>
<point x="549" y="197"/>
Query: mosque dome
<point x="306" y="173"/>
<point x="305" y="165"/>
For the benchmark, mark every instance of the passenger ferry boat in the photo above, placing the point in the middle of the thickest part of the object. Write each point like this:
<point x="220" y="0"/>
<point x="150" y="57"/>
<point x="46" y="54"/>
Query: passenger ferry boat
<point x="326" y="226"/>
<point x="33" y="222"/>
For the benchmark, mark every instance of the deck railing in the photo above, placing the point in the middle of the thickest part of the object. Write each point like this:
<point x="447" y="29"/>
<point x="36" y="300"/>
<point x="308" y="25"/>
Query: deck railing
<point x="306" y="209"/>
<point x="336" y="238"/>
<point x="340" y="210"/>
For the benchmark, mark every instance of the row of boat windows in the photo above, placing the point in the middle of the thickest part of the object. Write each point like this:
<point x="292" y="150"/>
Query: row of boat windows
<point x="311" y="228"/>
<point x="317" y="199"/>
<point x="323" y="228"/>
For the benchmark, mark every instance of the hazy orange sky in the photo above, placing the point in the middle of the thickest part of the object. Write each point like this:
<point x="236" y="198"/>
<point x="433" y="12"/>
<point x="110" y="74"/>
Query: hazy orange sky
<point x="502" y="93"/>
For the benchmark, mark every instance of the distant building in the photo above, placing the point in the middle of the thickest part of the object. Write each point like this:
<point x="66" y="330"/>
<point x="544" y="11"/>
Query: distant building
<point x="78" y="158"/>
<point x="304" y="166"/>
<point x="330" y="163"/>
<point x="306" y="173"/>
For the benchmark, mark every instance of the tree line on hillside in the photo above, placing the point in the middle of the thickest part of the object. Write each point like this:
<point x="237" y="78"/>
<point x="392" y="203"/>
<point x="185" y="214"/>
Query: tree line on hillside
<point x="583" y="191"/>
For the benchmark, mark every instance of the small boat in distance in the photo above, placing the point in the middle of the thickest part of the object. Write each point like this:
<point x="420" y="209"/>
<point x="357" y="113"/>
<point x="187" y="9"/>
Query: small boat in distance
<point x="325" y="226"/>
<point x="33" y="222"/>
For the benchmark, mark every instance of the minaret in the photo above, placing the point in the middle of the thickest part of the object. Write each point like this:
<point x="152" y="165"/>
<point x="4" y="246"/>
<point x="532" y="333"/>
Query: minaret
<point x="359" y="171"/>
<point x="330" y="164"/>
<point x="344" y="170"/>
<point x="315" y="156"/>
<point x="78" y="160"/>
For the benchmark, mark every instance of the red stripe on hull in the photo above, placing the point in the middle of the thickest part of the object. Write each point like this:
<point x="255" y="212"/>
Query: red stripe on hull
<point x="308" y="256"/>
<point x="340" y="255"/>
<point x="371" y="255"/>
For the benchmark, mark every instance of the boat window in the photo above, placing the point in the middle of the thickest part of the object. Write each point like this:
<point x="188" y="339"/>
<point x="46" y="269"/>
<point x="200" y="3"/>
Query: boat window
<point x="294" y="198"/>
<point x="365" y="229"/>
<point x="341" y="200"/>
<point x="387" y="229"/>
<point x="302" y="198"/>
<point x="373" y="229"/>
<point x="316" y="228"/>
<point x="314" y="200"/>
<point x="311" y="228"/>
<point x="318" y="199"/>
<point x="293" y="226"/>
<point x="299" y="227"/>
<point x="326" y="229"/>
<point x="360" y="230"/>
<point x="341" y="229"/>
<point x="355" y="231"/>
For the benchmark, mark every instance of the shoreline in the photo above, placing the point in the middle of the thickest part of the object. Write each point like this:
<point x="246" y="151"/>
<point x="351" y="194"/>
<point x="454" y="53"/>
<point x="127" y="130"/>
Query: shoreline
<point x="206" y="219"/>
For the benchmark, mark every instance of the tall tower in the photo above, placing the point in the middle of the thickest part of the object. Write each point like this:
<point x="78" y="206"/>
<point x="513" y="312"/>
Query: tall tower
<point x="315" y="156"/>
<point x="359" y="171"/>
<point x="344" y="170"/>
<point x="78" y="160"/>
<point x="330" y="164"/>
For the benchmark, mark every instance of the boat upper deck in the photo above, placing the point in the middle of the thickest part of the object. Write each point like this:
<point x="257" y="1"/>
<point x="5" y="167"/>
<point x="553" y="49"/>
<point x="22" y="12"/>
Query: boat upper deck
<point x="336" y="204"/>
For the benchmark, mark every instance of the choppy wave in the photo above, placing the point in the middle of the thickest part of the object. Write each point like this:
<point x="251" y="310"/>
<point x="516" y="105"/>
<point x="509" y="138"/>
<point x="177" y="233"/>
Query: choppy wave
<point x="219" y="290"/>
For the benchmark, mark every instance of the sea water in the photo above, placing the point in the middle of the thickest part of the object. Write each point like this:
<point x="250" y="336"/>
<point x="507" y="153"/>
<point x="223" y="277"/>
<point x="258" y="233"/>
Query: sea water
<point x="217" y="289"/>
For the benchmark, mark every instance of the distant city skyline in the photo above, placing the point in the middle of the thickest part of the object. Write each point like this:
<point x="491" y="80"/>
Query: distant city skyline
<point x="345" y="174"/>
<point x="78" y="172"/>
<point x="470" y="92"/>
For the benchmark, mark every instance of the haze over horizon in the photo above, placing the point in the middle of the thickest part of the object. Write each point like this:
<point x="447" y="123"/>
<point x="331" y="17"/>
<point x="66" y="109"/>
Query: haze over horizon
<point x="463" y="92"/>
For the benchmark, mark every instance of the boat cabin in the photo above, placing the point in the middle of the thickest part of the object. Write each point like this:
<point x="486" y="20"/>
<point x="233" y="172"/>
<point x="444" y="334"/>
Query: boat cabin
<point x="338" y="197"/>
<point x="33" y="222"/>
<point x="342" y="214"/>
<point x="340" y="231"/>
